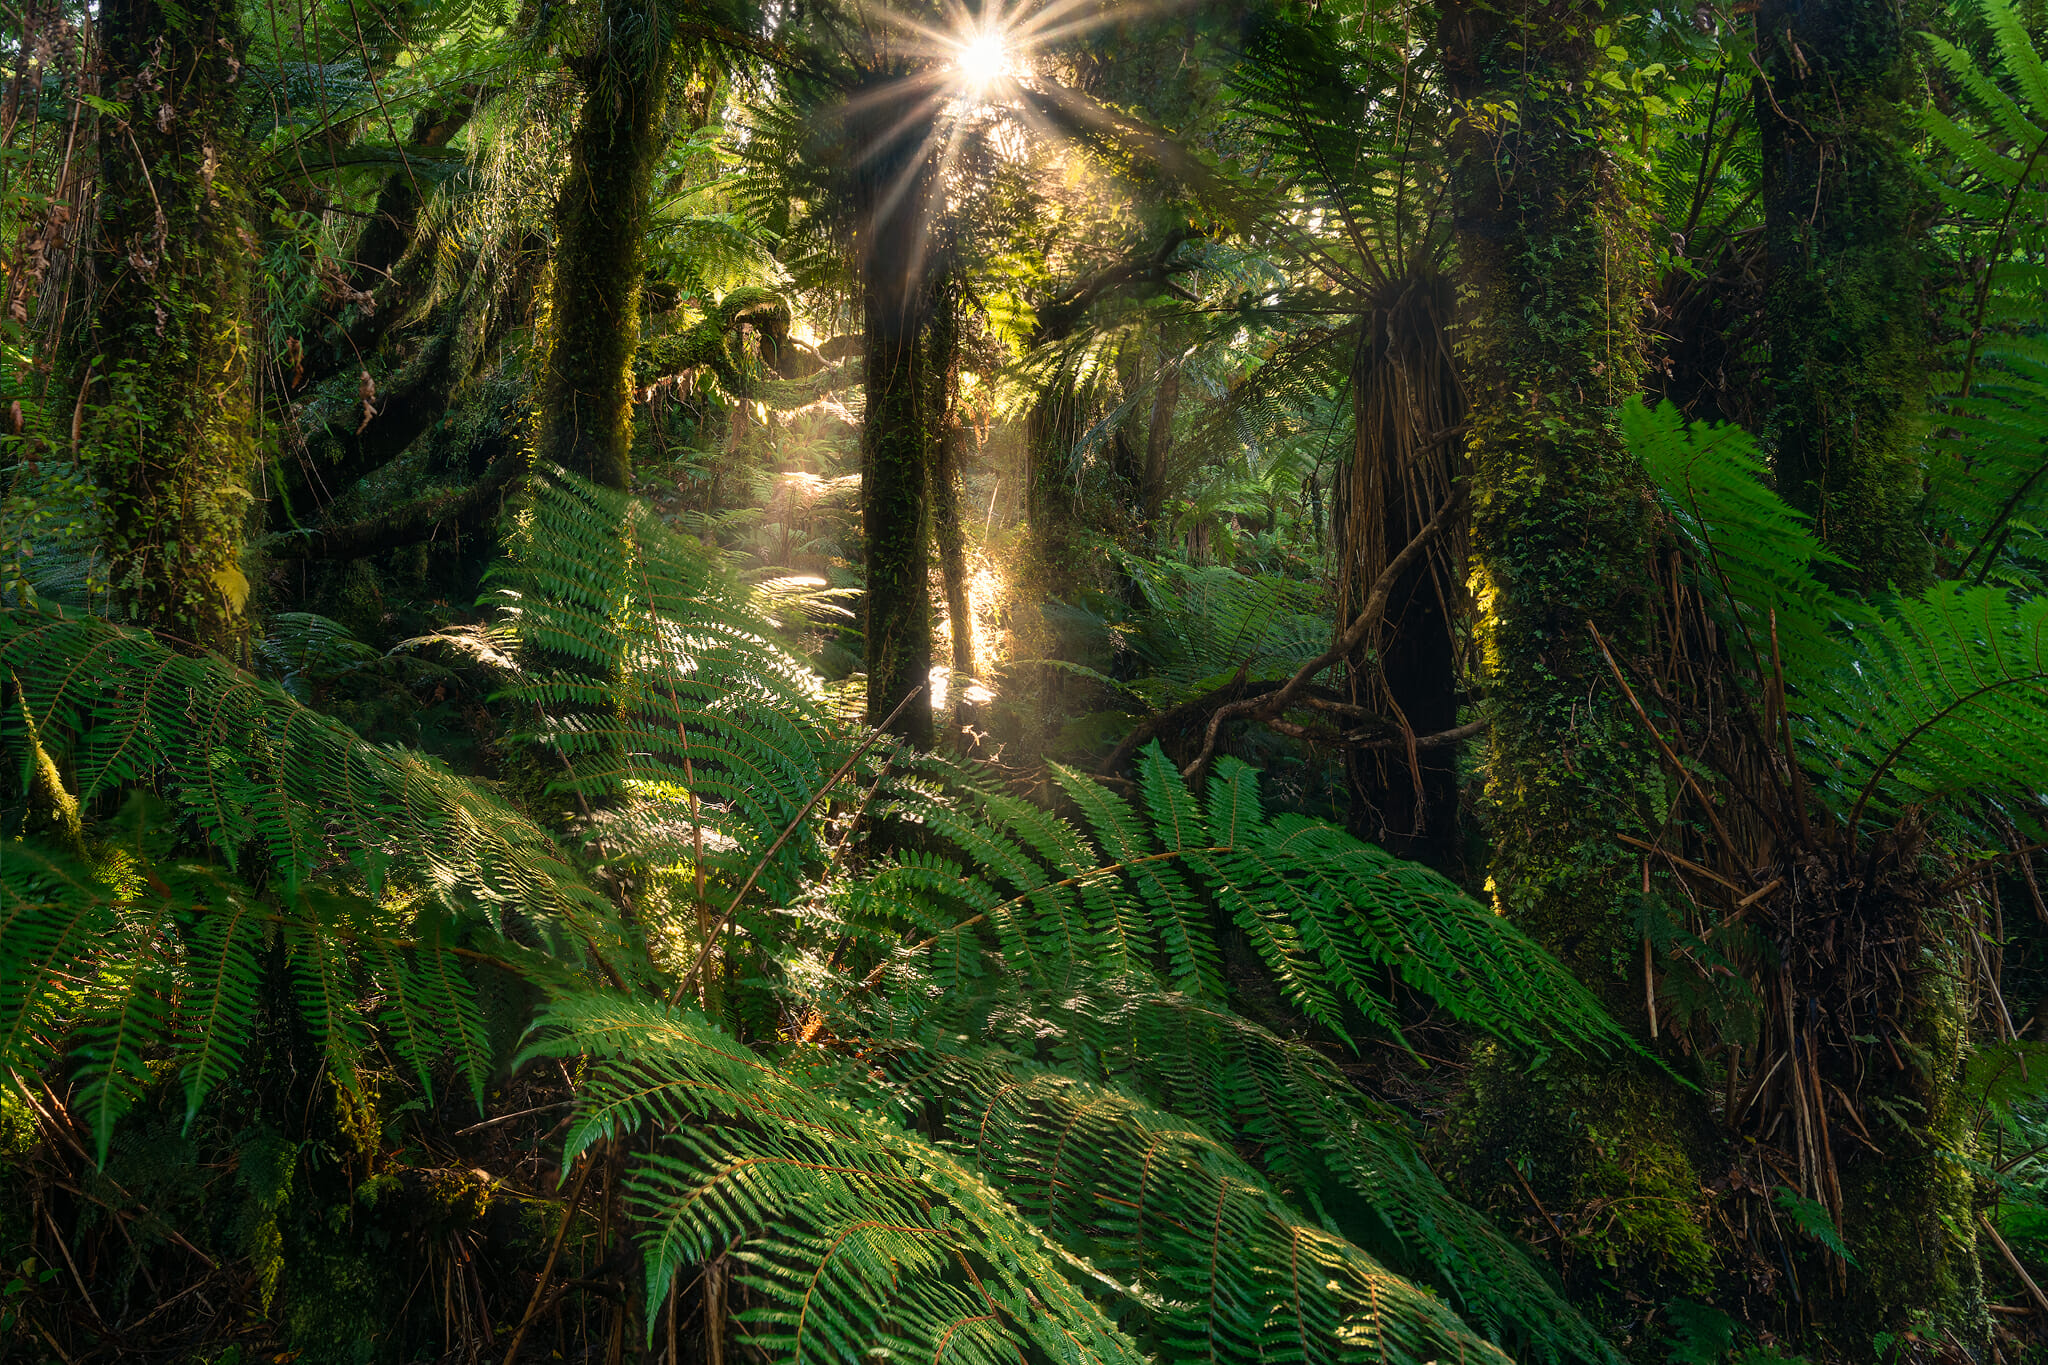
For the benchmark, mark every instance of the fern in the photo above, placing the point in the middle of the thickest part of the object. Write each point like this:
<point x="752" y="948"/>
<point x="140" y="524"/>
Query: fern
<point x="1330" y="917"/>
<point x="689" y="692"/>
<point x="1990" y="436"/>
<point x="1937" y="699"/>
<point x="122" y="965"/>
<point x="1313" y="1135"/>
<point x="860" y="1237"/>
<point x="280" y="791"/>
<point x="1145" y="1174"/>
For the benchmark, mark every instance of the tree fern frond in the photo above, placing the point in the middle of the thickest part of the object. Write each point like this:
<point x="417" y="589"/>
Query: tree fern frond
<point x="855" y="1234"/>
<point x="1313" y="1134"/>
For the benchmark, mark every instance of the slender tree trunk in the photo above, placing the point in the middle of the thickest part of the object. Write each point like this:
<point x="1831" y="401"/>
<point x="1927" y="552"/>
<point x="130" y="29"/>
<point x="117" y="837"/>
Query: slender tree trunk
<point x="1158" y="444"/>
<point x="899" y="437"/>
<point x="593" y="327"/>
<point x="171" y="438"/>
<point x="1843" y="309"/>
<point x="1550" y="347"/>
<point x="951" y="538"/>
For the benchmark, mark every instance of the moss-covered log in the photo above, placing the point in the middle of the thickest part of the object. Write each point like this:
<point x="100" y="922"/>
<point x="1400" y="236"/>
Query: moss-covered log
<point x="171" y="431"/>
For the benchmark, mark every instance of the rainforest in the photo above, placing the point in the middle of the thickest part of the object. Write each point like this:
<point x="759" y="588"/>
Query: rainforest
<point x="1024" y="681"/>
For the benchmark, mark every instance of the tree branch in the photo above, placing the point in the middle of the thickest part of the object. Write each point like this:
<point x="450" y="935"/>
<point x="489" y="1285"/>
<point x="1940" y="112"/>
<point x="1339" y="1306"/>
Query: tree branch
<point x="1354" y="634"/>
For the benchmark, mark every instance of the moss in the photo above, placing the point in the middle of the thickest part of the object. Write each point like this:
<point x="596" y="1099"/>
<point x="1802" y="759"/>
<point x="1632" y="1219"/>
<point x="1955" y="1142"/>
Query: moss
<point x="171" y="435"/>
<point x="1550" y="343"/>
<point x="593" y="315"/>
<point x="17" y="1126"/>
<point x="1844" y="311"/>
<point x="1909" y="1216"/>
<point x="1598" y="1167"/>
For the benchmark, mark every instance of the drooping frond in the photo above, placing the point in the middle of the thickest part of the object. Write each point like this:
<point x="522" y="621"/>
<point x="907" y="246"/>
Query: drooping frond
<point x="1989" y="477"/>
<point x="859" y="1237"/>
<point x="280" y="791"/>
<point x="1331" y="918"/>
<point x="1937" y="698"/>
<point x="1334" y="1155"/>
<point x="126" y="964"/>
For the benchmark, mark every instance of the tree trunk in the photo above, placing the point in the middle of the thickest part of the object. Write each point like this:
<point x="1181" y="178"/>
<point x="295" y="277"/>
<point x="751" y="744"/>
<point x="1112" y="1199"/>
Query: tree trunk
<point x="1594" y="1157"/>
<point x="952" y="543"/>
<point x="908" y="354"/>
<point x="1158" y="444"/>
<point x="947" y="532"/>
<point x="172" y="437"/>
<point x="1407" y="404"/>
<point x="1843" y="307"/>
<point x="593" y="325"/>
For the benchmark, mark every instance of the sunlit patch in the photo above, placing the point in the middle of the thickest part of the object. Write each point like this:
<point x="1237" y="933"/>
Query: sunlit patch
<point x="983" y="60"/>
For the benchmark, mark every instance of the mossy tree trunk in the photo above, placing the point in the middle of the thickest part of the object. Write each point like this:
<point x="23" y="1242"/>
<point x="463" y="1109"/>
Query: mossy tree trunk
<point x="593" y="325"/>
<point x="171" y="434"/>
<point x="1845" y="313"/>
<point x="907" y="353"/>
<point x="1843" y="308"/>
<point x="1550" y="346"/>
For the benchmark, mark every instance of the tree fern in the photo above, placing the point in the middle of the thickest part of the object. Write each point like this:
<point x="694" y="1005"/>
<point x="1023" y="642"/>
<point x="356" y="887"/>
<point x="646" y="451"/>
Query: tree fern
<point x="1338" y="1157"/>
<point x="698" y="696"/>
<point x="859" y="1236"/>
<point x="1936" y="698"/>
<point x="1148" y="1174"/>
<point x="1330" y="917"/>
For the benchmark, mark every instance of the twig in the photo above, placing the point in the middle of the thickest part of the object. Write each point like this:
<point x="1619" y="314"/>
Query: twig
<point x="540" y="1287"/>
<point x="1713" y="817"/>
<point x="507" y="1118"/>
<point x="1353" y="635"/>
<point x="2033" y="1290"/>
<point x="72" y="1265"/>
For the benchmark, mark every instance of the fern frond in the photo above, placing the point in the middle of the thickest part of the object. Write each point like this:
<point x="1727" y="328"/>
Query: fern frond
<point x="855" y="1234"/>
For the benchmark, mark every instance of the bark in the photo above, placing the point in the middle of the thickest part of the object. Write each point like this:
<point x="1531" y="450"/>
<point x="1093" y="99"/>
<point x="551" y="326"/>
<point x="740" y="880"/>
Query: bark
<point x="1550" y="346"/>
<point x="1158" y="443"/>
<point x="1407" y="457"/>
<point x="1843" y="309"/>
<point x="908" y="353"/>
<point x="171" y="435"/>
<point x="593" y="324"/>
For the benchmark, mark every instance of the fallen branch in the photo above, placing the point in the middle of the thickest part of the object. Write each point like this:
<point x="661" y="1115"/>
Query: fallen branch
<point x="1256" y="708"/>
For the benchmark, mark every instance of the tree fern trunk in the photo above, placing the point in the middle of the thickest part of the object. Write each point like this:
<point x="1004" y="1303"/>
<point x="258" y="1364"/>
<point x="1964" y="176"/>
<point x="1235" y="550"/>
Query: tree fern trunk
<point x="1843" y="310"/>
<point x="1550" y="346"/>
<point x="593" y="328"/>
<point x="172" y="434"/>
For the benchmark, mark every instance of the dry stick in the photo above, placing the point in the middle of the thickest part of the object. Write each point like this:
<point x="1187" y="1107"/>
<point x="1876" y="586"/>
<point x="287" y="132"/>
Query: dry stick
<point x="540" y="1287"/>
<point x="1354" y="634"/>
<point x="1713" y="817"/>
<point x="711" y="939"/>
<point x="72" y="1265"/>
<point x="2033" y="1290"/>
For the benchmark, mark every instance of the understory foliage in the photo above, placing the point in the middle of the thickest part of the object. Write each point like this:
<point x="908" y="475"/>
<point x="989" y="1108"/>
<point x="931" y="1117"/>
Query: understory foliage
<point x="1480" y="796"/>
<point x="997" y="1090"/>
